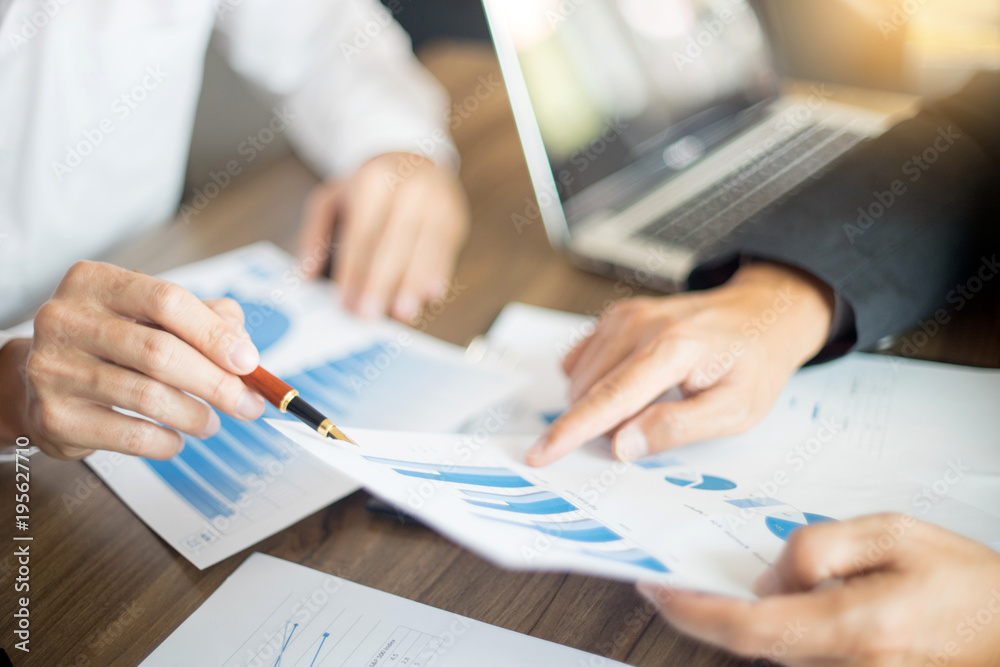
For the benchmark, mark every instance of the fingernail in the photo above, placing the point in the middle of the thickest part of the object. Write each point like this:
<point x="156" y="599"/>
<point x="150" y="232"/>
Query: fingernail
<point x="767" y="583"/>
<point x="250" y="406"/>
<point x="243" y="356"/>
<point x="406" y="307"/>
<point x="630" y="444"/>
<point x="212" y="427"/>
<point x="538" y="448"/>
<point x="371" y="307"/>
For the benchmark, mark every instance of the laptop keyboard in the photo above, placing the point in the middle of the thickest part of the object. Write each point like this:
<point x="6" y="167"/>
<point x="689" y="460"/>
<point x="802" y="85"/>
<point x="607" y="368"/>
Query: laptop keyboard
<point x="716" y="211"/>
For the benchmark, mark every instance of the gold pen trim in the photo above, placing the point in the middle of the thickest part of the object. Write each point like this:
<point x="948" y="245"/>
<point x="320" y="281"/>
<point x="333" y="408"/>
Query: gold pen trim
<point x="283" y="406"/>
<point x="327" y="427"/>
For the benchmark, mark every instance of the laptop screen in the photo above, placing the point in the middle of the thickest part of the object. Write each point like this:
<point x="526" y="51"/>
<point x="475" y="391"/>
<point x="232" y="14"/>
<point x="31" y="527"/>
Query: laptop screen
<point x="629" y="91"/>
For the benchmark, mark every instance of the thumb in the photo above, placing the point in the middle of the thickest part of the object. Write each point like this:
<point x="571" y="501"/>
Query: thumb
<point x="836" y="550"/>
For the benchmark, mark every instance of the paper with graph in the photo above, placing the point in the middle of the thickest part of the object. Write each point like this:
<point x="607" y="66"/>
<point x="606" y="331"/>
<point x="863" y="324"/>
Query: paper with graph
<point x="270" y="612"/>
<point x="223" y="494"/>
<point x="862" y="435"/>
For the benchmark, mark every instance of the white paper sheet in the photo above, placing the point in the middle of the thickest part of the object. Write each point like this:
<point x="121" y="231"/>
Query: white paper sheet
<point x="270" y="612"/>
<point x="861" y="435"/>
<point x="229" y="492"/>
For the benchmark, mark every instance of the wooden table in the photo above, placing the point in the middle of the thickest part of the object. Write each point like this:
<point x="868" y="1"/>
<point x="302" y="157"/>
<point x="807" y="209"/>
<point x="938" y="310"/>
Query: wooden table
<point x="106" y="590"/>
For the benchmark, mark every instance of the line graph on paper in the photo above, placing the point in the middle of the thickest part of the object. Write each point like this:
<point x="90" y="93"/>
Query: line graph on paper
<point x="301" y="633"/>
<point x="501" y="495"/>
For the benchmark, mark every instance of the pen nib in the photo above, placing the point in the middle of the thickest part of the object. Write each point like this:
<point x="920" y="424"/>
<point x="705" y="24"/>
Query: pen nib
<point x="337" y="434"/>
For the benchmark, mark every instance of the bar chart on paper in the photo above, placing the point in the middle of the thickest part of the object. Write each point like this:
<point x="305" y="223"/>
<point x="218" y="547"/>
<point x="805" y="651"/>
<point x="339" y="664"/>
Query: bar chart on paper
<point x="214" y="475"/>
<point x="224" y="493"/>
<point x="503" y="496"/>
<point x="272" y="613"/>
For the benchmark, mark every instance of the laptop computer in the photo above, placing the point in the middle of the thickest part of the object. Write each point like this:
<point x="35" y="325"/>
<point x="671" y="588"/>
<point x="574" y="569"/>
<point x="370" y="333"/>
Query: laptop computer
<point x="653" y="129"/>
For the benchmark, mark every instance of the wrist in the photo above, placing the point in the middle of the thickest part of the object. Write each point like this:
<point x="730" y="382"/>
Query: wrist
<point x="13" y="396"/>
<point x="803" y="305"/>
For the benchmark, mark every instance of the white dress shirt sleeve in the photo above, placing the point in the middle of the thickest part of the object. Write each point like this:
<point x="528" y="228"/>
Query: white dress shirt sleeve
<point x="342" y="75"/>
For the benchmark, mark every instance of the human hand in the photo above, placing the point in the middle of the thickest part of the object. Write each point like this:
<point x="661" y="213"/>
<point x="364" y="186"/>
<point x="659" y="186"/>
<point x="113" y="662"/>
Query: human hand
<point x="399" y="222"/>
<point x="913" y="594"/>
<point x="111" y="337"/>
<point x="730" y="350"/>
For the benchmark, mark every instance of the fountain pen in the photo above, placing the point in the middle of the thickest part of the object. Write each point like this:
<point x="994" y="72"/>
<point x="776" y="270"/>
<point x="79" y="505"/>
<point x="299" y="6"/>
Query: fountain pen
<point x="281" y="395"/>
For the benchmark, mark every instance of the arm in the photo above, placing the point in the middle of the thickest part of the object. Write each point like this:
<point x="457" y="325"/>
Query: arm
<point x="900" y="223"/>
<point x="910" y="260"/>
<point x="371" y="121"/>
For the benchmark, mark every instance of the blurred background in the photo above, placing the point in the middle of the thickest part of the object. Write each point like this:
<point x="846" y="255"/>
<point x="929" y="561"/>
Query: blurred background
<point x="924" y="47"/>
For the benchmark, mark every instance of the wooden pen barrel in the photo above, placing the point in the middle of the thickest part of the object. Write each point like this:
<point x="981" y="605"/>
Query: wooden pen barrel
<point x="275" y="391"/>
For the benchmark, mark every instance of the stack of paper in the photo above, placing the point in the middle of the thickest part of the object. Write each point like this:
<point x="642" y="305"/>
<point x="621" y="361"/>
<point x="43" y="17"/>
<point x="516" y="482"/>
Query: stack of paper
<point x="861" y="435"/>
<point x="230" y="491"/>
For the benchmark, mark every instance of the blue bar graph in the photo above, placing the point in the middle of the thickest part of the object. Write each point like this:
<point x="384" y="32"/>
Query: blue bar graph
<point x="581" y="530"/>
<point x="632" y="557"/>
<point x="540" y="502"/>
<point x="203" y="501"/>
<point x="229" y="487"/>
<point x="475" y="476"/>
<point x="212" y="475"/>
<point x="746" y="503"/>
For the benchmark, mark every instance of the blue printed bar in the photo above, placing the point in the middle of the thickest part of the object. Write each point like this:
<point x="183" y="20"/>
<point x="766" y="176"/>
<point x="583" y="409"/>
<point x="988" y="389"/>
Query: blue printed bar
<point x="229" y="450"/>
<point x="188" y="489"/>
<point x="226" y="486"/>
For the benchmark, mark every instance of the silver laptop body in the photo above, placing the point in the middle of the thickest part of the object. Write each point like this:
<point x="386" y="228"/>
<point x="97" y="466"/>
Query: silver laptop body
<point x="652" y="129"/>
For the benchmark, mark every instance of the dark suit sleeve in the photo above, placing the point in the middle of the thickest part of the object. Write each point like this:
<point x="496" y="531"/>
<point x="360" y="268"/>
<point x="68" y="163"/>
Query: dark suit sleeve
<point x="899" y="224"/>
